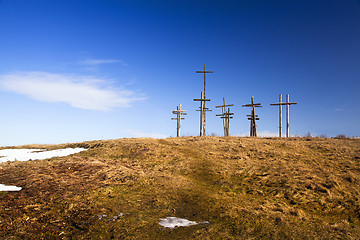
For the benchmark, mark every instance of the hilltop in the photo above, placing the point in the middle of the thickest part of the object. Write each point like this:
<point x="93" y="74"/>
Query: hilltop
<point x="246" y="188"/>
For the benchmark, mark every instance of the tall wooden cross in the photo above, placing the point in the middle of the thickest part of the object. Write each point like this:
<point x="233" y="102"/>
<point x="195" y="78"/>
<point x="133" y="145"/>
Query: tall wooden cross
<point x="202" y="110"/>
<point x="280" y="104"/>
<point x="203" y="118"/>
<point x="226" y="116"/>
<point x="253" y="117"/>
<point x="178" y="113"/>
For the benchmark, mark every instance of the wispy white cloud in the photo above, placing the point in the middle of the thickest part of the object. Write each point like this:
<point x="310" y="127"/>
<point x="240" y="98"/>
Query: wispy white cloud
<point x="96" y="62"/>
<point x="84" y="92"/>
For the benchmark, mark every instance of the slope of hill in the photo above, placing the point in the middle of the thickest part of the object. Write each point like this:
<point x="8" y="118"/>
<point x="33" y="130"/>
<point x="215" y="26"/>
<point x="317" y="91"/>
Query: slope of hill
<point x="246" y="188"/>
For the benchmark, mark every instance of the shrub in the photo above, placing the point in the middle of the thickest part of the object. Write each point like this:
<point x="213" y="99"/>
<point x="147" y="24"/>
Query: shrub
<point x="340" y="136"/>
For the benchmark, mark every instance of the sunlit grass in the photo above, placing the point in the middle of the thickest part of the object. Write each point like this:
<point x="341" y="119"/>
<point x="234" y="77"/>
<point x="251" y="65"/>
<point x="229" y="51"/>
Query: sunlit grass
<point x="269" y="188"/>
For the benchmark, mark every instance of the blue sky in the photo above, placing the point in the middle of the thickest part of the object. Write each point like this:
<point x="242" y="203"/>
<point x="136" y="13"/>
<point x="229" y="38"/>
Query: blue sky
<point x="101" y="69"/>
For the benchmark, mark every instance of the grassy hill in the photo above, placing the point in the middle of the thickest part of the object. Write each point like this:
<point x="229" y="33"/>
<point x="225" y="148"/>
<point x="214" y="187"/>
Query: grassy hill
<point x="246" y="188"/>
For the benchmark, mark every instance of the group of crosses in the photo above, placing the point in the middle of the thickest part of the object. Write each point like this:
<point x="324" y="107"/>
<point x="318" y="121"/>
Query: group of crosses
<point x="226" y="115"/>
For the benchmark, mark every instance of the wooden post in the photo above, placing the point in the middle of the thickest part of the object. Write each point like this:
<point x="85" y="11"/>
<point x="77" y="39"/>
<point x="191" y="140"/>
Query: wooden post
<point x="204" y="105"/>
<point x="288" y="103"/>
<point x="201" y="114"/>
<point x="287" y="115"/>
<point x="253" y="117"/>
<point x="280" y="104"/>
<point x="177" y="123"/>
<point x="226" y="115"/>
<point x="280" y="117"/>
<point x="202" y="110"/>
<point x="223" y="107"/>
<point x="178" y="113"/>
<point x="227" y="121"/>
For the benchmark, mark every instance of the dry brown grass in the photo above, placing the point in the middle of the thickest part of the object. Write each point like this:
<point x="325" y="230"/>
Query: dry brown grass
<point x="247" y="188"/>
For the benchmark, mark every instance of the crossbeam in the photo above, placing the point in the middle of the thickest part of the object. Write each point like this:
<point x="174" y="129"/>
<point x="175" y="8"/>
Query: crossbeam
<point x="179" y="110"/>
<point x="230" y="105"/>
<point x="252" y="105"/>
<point x="225" y="114"/>
<point x="202" y="100"/>
<point x="182" y="112"/>
<point x="283" y="103"/>
<point x="204" y="71"/>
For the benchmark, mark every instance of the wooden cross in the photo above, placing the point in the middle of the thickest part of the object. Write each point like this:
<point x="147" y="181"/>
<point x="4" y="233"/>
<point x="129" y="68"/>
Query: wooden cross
<point x="203" y="115"/>
<point x="202" y="110"/>
<point x="178" y="113"/>
<point x="253" y="117"/>
<point x="226" y="116"/>
<point x="287" y="103"/>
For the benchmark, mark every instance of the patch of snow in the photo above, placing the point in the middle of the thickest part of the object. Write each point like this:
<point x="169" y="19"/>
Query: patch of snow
<point x="35" y="154"/>
<point x="101" y="216"/>
<point x="4" y="188"/>
<point x="172" y="222"/>
<point x="116" y="217"/>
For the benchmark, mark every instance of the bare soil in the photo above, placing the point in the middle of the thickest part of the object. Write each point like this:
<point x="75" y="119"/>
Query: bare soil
<point x="246" y="188"/>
